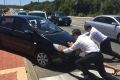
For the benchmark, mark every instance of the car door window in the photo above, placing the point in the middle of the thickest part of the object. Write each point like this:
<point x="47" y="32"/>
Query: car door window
<point x="7" y="22"/>
<point x="99" y="19"/>
<point x="109" y="20"/>
<point x="21" y="25"/>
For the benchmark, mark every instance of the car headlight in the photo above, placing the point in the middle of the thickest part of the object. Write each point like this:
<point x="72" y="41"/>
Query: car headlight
<point x="57" y="46"/>
<point x="60" y="19"/>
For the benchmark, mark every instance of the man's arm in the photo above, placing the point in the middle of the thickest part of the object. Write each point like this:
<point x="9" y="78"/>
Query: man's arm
<point x="72" y="48"/>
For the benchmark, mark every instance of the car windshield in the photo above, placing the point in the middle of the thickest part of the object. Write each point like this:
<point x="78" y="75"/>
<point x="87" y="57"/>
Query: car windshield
<point x="38" y="14"/>
<point x="61" y="14"/>
<point x="45" y="25"/>
<point x="118" y="18"/>
<point x="22" y="13"/>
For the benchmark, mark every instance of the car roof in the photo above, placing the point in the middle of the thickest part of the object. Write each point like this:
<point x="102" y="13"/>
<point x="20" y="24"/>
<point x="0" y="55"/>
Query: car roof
<point x="22" y="12"/>
<point x="36" y="12"/>
<point x="24" y="16"/>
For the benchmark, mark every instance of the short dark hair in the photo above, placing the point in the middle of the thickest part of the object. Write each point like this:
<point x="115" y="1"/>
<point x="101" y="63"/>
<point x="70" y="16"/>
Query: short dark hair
<point x="76" y="31"/>
<point x="87" y="26"/>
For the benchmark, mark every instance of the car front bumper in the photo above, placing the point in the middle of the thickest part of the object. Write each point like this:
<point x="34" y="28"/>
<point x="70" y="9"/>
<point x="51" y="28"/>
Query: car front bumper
<point x="63" y="58"/>
<point x="66" y="22"/>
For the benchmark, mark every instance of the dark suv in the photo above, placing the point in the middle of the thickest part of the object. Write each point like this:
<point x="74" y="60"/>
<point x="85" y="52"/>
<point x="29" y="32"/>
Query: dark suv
<point x="60" y="18"/>
<point x="35" y="36"/>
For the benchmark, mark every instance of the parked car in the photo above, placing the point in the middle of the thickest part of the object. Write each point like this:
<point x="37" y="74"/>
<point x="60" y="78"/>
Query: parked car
<point x="38" y="13"/>
<point x="35" y="36"/>
<point x="108" y="25"/>
<point x="22" y="13"/>
<point x="60" y="18"/>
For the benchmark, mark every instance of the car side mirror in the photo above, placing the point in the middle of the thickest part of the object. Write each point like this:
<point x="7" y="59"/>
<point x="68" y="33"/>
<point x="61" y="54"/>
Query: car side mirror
<point x="114" y="23"/>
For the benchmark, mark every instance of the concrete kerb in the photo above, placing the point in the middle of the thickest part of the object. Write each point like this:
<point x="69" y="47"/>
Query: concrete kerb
<point x="30" y="70"/>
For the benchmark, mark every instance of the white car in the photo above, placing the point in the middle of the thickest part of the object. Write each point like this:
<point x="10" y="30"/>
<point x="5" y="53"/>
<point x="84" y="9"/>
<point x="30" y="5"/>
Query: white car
<point x="108" y="25"/>
<point x="38" y="13"/>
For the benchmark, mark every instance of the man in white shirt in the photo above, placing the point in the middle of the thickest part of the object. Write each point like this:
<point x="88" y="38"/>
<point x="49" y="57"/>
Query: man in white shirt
<point x="104" y="41"/>
<point x="92" y="54"/>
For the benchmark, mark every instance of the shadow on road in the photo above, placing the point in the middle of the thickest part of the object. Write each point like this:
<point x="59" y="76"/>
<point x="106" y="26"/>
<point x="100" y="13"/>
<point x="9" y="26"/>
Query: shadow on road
<point x="115" y="41"/>
<point x="92" y="77"/>
<point x="111" y="60"/>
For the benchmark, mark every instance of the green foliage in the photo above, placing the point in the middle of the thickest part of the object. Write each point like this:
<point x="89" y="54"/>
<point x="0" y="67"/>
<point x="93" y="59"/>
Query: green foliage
<point x="111" y="7"/>
<point x="78" y="7"/>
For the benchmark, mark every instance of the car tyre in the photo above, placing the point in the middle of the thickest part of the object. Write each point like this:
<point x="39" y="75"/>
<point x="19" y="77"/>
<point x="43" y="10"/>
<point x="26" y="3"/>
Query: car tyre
<point x="43" y="60"/>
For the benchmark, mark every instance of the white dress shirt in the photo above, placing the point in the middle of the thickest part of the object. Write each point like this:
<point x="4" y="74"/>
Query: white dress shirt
<point x="97" y="35"/>
<point x="85" y="44"/>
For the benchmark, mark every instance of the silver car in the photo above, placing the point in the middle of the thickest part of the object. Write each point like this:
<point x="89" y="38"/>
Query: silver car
<point x="108" y="25"/>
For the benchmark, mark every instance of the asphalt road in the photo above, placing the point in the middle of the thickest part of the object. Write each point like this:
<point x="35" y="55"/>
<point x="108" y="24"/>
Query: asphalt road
<point x="35" y="72"/>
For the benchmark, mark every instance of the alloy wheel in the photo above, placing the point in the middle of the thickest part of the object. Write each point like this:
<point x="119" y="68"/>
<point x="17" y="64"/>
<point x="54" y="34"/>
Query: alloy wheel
<point x="42" y="59"/>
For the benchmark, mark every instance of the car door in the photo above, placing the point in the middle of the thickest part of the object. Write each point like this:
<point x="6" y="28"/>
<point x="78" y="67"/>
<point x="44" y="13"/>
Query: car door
<point x="98" y="23"/>
<point x="6" y="31"/>
<point x="110" y="27"/>
<point x="23" y="36"/>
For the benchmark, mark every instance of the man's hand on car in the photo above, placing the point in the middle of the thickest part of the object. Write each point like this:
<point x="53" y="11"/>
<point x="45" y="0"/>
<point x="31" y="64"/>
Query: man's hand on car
<point x="61" y="48"/>
<point x="70" y="43"/>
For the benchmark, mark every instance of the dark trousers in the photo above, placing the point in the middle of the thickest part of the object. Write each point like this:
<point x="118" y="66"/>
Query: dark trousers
<point x="105" y="48"/>
<point x="97" y="59"/>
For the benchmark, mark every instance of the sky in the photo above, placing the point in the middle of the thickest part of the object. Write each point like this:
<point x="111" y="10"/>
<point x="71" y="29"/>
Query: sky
<point x="19" y="2"/>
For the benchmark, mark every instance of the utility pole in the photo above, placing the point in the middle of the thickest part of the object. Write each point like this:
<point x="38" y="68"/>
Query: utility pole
<point x="20" y="2"/>
<point x="4" y="2"/>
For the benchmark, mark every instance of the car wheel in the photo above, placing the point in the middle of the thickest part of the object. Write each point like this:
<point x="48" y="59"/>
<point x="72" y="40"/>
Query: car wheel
<point x="43" y="59"/>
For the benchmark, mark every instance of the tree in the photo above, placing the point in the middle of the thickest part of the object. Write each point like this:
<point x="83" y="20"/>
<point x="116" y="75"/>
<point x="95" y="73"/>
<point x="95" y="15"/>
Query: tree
<point x="78" y="7"/>
<point x="111" y="7"/>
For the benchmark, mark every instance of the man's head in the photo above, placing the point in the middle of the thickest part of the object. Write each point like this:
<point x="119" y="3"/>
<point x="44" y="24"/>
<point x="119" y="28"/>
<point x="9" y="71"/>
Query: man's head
<point x="87" y="27"/>
<point x="76" y="33"/>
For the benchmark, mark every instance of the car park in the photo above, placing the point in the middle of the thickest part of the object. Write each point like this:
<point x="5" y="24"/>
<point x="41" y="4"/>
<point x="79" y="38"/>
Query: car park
<point x="38" y="13"/>
<point x="36" y="36"/>
<point x="59" y="18"/>
<point x="107" y="24"/>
